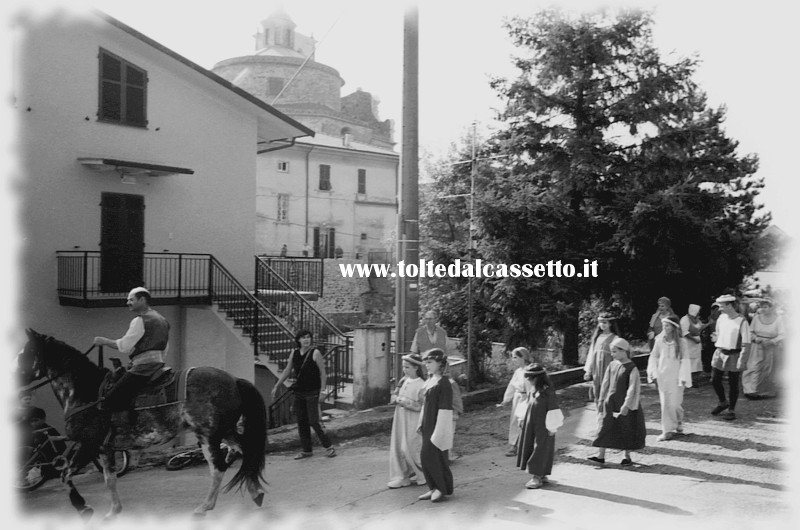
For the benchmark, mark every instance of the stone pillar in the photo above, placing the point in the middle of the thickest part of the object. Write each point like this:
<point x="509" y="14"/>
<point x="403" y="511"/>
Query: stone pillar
<point x="371" y="365"/>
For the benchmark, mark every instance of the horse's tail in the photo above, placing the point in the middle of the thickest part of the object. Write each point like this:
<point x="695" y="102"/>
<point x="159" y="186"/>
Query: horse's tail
<point x="253" y="438"/>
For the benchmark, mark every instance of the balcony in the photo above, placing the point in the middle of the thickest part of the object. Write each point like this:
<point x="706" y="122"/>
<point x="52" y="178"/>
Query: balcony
<point x="172" y="279"/>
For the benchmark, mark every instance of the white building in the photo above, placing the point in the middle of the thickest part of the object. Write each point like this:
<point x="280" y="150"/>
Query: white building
<point x="338" y="189"/>
<point x="137" y="166"/>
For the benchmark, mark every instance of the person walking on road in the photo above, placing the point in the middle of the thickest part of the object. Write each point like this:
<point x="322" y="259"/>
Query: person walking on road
<point x="664" y="310"/>
<point x="621" y="420"/>
<point x="436" y="427"/>
<point x="767" y="334"/>
<point x="406" y="443"/>
<point x="310" y="378"/>
<point x="732" y="339"/>
<point x="516" y="394"/>
<point x="600" y="352"/>
<point x="691" y="343"/>
<point x="537" y="440"/>
<point x="670" y="366"/>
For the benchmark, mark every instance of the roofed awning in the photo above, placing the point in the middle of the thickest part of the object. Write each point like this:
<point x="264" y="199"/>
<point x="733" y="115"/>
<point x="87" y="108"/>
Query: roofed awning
<point x="128" y="168"/>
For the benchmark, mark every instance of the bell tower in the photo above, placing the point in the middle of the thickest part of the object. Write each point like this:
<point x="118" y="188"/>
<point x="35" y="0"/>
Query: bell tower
<point x="276" y="30"/>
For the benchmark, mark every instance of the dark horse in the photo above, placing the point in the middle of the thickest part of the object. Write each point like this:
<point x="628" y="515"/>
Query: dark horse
<point x="218" y="407"/>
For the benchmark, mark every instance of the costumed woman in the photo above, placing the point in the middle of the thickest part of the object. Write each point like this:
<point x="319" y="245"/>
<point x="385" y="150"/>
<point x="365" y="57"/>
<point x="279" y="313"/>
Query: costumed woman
<point x="767" y="332"/>
<point x="436" y="427"/>
<point x="691" y="329"/>
<point x="406" y="442"/>
<point x="600" y="352"/>
<point x="670" y="366"/>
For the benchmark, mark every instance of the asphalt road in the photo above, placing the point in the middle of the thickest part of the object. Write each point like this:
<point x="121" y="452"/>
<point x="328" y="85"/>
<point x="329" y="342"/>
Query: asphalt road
<point x="719" y="475"/>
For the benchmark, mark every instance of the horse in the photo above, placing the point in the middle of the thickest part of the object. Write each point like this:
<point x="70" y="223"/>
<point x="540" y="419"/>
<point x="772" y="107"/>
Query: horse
<point x="217" y="407"/>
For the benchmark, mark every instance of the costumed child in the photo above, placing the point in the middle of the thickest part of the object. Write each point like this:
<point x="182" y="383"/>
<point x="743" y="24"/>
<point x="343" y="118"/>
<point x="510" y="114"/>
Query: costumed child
<point x="406" y="442"/>
<point x="436" y="427"/>
<point x="671" y="367"/>
<point x="541" y="420"/>
<point x="620" y="416"/>
<point x="515" y="394"/>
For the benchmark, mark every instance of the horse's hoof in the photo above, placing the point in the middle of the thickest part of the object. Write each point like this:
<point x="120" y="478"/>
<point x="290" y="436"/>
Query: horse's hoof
<point x="199" y="515"/>
<point x="259" y="499"/>
<point x="87" y="513"/>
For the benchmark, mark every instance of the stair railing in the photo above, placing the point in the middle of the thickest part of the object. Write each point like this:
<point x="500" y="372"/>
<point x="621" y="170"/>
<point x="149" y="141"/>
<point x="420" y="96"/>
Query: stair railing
<point x="297" y="313"/>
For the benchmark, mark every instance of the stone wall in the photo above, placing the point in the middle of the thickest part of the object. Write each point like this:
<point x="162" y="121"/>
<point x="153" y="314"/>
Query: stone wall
<point x="348" y="302"/>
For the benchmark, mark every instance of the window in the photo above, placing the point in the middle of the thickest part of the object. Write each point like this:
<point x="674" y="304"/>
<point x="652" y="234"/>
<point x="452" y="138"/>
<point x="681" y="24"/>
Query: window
<point x="362" y="181"/>
<point x="283" y="166"/>
<point x="363" y="236"/>
<point x="283" y="208"/>
<point x="324" y="177"/>
<point x="274" y="85"/>
<point x="123" y="91"/>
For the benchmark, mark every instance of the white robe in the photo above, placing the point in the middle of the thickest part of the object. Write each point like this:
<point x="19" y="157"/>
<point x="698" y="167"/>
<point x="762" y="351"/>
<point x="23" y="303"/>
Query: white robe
<point x="515" y="394"/>
<point x="673" y="375"/>
<point x="693" y="349"/>
<point x="406" y="442"/>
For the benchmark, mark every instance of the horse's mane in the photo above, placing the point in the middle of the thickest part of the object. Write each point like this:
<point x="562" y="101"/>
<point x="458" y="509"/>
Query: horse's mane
<point x="85" y="375"/>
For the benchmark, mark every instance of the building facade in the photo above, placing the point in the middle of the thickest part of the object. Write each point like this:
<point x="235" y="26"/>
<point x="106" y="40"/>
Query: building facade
<point x="337" y="190"/>
<point x="136" y="166"/>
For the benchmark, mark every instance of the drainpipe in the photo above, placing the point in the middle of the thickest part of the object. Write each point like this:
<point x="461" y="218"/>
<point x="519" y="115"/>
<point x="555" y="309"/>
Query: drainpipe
<point x="308" y="177"/>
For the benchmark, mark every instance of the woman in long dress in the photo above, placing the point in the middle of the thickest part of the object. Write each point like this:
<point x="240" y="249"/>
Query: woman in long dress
<point x="767" y="333"/>
<point x="670" y="366"/>
<point x="620" y="417"/>
<point x="600" y="352"/>
<point x="406" y="442"/>
<point x="537" y="441"/>
<point x="436" y="427"/>
<point x="691" y="328"/>
<point x="516" y="394"/>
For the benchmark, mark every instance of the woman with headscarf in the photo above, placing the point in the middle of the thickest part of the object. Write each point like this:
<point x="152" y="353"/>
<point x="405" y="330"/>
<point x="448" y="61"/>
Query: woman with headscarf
<point x="664" y="310"/>
<point x="516" y="394"/>
<point x="600" y="352"/>
<point x="669" y="365"/>
<point x="620" y="417"/>
<point x="766" y="334"/>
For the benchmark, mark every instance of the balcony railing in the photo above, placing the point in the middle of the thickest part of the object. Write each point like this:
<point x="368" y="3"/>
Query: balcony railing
<point x="170" y="277"/>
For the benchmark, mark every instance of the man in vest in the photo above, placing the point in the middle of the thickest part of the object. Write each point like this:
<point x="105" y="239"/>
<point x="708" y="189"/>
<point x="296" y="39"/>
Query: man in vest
<point x="145" y="343"/>
<point x="732" y="340"/>
<point x="429" y="335"/>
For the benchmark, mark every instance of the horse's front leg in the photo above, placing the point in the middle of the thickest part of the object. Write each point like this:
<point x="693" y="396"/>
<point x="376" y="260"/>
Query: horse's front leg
<point x="108" y="462"/>
<point x="217" y="467"/>
<point x="77" y="462"/>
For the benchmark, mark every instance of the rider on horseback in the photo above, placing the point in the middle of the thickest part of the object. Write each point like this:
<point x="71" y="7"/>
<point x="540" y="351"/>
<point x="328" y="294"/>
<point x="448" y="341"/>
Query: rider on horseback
<point x="145" y="343"/>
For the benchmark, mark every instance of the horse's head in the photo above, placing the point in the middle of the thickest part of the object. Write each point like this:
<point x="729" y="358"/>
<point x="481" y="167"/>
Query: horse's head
<point x="29" y="361"/>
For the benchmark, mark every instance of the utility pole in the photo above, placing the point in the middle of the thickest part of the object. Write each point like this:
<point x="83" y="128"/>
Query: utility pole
<point x="407" y="289"/>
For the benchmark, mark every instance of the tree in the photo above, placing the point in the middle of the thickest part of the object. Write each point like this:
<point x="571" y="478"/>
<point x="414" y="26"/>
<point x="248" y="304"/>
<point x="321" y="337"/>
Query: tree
<point x="611" y="153"/>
